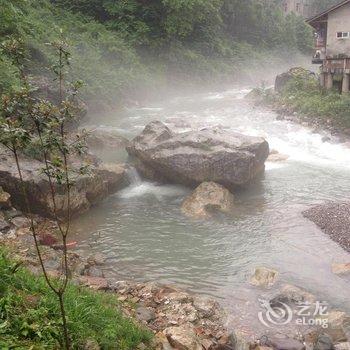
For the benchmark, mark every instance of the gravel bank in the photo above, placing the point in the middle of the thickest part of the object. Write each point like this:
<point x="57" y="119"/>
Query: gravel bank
<point x="334" y="219"/>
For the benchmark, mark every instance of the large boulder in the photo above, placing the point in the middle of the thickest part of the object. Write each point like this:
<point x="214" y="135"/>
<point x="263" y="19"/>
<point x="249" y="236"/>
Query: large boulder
<point x="88" y="189"/>
<point x="190" y="158"/>
<point x="207" y="198"/>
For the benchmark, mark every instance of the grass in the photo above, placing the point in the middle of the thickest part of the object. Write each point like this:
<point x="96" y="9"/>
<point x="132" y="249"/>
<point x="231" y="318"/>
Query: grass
<point x="30" y="318"/>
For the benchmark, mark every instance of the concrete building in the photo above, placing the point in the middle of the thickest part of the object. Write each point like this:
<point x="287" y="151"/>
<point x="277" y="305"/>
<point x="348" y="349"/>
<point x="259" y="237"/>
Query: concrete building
<point x="332" y="44"/>
<point x="300" y="7"/>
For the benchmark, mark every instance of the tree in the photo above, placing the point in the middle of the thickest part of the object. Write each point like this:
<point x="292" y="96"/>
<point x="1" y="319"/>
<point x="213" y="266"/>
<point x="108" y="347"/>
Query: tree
<point x="25" y="120"/>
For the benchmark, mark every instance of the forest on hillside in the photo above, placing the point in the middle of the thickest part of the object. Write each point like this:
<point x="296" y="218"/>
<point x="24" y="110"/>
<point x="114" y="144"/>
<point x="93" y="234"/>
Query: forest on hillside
<point x="119" y="48"/>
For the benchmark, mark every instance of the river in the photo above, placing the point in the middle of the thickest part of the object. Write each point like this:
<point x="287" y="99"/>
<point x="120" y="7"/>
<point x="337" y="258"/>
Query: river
<point x="145" y="237"/>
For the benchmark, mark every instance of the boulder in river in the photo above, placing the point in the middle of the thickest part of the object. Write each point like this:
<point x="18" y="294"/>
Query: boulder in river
<point x="190" y="158"/>
<point x="207" y="198"/>
<point x="88" y="189"/>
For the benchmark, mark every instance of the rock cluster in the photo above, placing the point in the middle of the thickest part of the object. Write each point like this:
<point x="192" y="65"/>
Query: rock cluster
<point x="179" y="319"/>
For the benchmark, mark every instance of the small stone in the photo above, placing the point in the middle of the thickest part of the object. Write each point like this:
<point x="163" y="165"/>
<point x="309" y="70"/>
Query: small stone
<point x="96" y="283"/>
<point x="207" y="344"/>
<point x="21" y="222"/>
<point x="12" y="213"/>
<point x="183" y="337"/>
<point x="145" y="314"/>
<point x="324" y="342"/>
<point x="5" y="202"/>
<point x="91" y="344"/>
<point x="340" y="269"/>
<point x="94" y="271"/>
<point x="96" y="259"/>
<point x="264" y="277"/>
<point x="4" y="226"/>
<point x="284" y="343"/>
<point x="342" y="346"/>
<point x="206" y="307"/>
<point x="338" y="326"/>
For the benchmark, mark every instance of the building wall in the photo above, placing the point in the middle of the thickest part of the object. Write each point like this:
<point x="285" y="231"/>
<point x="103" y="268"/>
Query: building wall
<point x="338" y="21"/>
<point x="301" y="7"/>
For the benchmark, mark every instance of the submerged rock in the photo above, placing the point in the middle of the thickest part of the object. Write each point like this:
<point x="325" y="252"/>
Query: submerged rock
<point x="190" y="158"/>
<point x="207" y="198"/>
<point x="264" y="277"/>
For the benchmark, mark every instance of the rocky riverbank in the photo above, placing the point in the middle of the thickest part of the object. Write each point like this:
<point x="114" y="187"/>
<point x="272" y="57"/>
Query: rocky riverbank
<point x="179" y="319"/>
<point x="287" y="108"/>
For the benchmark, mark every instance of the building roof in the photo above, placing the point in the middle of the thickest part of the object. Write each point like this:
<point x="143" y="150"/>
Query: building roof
<point x="320" y="15"/>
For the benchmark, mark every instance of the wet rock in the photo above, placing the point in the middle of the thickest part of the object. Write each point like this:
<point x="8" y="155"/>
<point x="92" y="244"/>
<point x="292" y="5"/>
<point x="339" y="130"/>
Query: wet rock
<point x="292" y="295"/>
<point x="207" y="198"/>
<point x="145" y="314"/>
<point x="264" y="277"/>
<point x="338" y="326"/>
<point x="5" y="202"/>
<point x="88" y="190"/>
<point x="193" y="157"/>
<point x="324" y="342"/>
<point x="340" y="269"/>
<point x="183" y="337"/>
<point x="104" y="138"/>
<point x="284" y="343"/>
<point x="114" y="175"/>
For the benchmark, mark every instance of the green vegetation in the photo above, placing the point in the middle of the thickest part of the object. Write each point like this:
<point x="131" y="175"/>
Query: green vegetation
<point x="304" y="95"/>
<point x="30" y="315"/>
<point x="121" y="49"/>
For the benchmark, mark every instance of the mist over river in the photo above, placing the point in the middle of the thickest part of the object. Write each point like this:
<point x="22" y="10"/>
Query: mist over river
<point x="145" y="237"/>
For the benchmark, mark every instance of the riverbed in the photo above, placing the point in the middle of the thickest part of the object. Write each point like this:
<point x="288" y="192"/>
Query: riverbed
<point x="145" y="237"/>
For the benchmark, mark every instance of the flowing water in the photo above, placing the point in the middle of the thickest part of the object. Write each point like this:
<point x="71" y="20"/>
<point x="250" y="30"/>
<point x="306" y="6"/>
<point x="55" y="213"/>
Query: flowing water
<point x="145" y="237"/>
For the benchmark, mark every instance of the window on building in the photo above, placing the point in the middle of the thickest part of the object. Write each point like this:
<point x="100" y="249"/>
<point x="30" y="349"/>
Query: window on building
<point x="343" y="35"/>
<point x="298" y="7"/>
